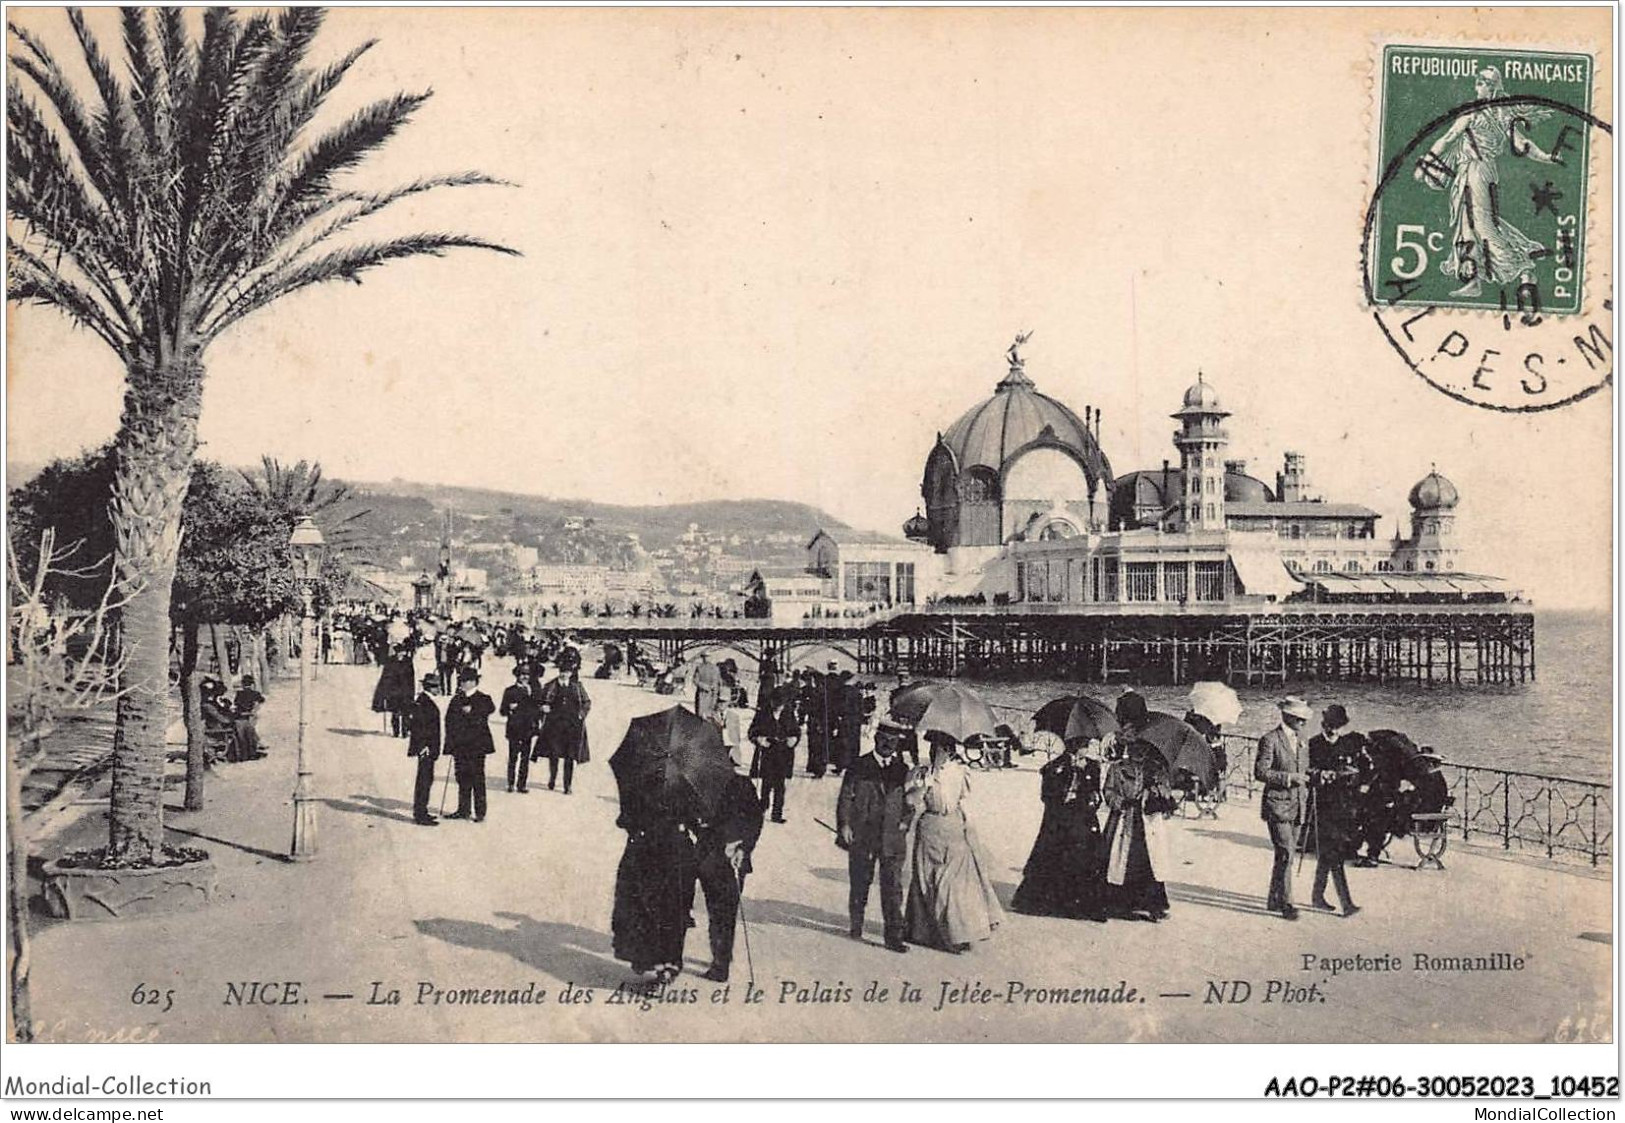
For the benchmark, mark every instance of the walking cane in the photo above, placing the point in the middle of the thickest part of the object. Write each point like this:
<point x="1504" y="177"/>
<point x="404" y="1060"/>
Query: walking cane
<point x="446" y="787"/>
<point x="750" y="964"/>
<point x="1311" y="821"/>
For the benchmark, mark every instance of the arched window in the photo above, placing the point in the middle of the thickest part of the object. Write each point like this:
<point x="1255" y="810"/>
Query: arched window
<point x="1057" y="529"/>
<point x="1410" y="567"/>
<point x="1385" y="566"/>
<point x="1351" y="567"/>
<point x="980" y="486"/>
<point x="1430" y="567"/>
<point x="1210" y="514"/>
<point x="1322" y="565"/>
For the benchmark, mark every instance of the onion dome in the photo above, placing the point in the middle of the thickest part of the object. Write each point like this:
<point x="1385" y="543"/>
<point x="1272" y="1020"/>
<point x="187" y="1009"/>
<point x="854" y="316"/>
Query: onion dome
<point x="1434" y="493"/>
<point x="917" y="528"/>
<point x="1201" y="398"/>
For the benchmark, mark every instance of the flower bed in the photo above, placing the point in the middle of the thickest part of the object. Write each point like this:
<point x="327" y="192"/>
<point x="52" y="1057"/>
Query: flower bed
<point x="85" y="885"/>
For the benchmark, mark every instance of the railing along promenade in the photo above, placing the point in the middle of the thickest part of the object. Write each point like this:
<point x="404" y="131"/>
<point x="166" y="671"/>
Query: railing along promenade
<point x="1556" y="817"/>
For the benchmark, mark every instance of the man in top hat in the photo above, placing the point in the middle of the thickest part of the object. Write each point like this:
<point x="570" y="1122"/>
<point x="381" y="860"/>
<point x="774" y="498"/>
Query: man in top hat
<point x="423" y="733"/>
<point x="468" y="741"/>
<point x="1280" y="767"/>
<point x="523" y="713"/>
<point x="873" y="818"/>
<point x="1337" y="761"/>
<point x="722" y="849"/>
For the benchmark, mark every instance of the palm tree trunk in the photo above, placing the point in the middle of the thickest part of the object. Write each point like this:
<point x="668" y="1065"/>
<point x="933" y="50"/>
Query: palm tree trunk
<point x="156" y="445"/>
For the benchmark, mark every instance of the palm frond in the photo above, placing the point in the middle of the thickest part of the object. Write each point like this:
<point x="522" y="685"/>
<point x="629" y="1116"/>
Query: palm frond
<point x="342" y="265"/>
<point x="52" y="202"/>
<point x="42" y="68"/>
<point x="365" y="205"/>
<point x="30" y="279"/>
<point x="146" y="67"/>
<point x="338" y="150"/>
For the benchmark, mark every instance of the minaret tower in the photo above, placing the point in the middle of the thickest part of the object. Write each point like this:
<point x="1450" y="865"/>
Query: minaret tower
<point x="1201" y="439"/>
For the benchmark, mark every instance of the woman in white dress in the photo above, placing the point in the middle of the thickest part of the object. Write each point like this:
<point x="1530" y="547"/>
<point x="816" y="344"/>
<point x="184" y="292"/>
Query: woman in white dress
<point x="951" y="902"/>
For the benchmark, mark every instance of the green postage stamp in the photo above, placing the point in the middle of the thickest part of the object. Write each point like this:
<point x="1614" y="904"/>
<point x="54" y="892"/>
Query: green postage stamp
<point x="1481" y="189"/>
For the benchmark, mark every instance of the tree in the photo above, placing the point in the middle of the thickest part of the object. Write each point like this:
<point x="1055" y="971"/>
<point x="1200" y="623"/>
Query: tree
<point x="62" y="659"/>
<point x="191" y="191"/>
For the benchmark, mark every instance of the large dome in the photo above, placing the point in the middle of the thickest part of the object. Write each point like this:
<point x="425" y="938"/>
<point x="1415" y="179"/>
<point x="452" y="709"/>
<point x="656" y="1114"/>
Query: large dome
<point x="1015" y="418"/>
<point x="1434" y="492"/>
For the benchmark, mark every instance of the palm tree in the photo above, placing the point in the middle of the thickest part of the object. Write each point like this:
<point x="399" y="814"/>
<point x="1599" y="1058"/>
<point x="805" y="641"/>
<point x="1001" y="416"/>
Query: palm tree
<point x="189" y="191"/>
<point x="299" y="489"/>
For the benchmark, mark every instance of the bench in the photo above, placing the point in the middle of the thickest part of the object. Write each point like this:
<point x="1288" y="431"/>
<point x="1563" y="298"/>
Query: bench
<point x="1429" y="836"/>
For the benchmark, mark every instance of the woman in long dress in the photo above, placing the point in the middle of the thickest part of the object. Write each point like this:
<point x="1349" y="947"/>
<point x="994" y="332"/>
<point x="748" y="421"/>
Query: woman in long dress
<point x="1140" y="799"/>
<point x="951" y="902"/>
<point x="1063" y="874"/>
<point x="653" y="889"/>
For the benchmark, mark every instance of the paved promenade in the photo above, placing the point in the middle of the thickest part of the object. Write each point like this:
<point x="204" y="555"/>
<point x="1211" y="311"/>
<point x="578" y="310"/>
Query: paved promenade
<point x="521" y="903"/>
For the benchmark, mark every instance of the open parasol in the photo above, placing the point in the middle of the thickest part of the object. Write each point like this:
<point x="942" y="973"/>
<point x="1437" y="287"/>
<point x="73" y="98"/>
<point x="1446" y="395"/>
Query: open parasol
<point x="947" y="708"/>
<point x="670" y="764"/>
<point x="1216" y="702"/>
<point x="1181" y="747"/>
<point x="1076" y="718"/>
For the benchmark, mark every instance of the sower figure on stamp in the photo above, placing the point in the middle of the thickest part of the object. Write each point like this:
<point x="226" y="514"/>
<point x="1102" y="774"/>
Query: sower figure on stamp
<point x="522" y="711"/>
<point x="424" y="743"/>
<point x="1280" y="768"/>
<point x="722" y="852"/>
<point x="873" y="820"/>
<point x="468" y="741"/>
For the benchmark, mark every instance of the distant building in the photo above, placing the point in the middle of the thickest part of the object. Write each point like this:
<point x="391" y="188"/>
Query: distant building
<point x="1021" y="504"/>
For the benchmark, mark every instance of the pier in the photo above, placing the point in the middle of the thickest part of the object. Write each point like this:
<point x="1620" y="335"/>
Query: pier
<point x="1433" y="645"/>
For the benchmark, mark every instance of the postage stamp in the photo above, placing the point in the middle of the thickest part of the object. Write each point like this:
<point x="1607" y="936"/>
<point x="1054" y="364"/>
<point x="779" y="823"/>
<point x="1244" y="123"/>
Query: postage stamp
<point x="1482" y="158"/>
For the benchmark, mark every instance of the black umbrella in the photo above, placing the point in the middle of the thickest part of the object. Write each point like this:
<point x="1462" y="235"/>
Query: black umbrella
<point x="1181" y="747"/>
<point x="1393" y="752"/>
<point x="1077" y="718"/>
<point x="669" y="764"/>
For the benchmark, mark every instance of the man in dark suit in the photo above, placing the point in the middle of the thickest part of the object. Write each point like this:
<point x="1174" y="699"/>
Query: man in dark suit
<point x="722" y="859"/>
<point x="1281" y="768"/>
<point x="872" y="823"/>
<point x="468" y="741"/>
<point x="522" y="711"/>
<point x="424" y="743"/>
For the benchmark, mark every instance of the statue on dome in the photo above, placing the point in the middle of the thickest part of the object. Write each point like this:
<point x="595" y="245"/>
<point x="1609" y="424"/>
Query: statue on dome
<point x="1014" y="353"/>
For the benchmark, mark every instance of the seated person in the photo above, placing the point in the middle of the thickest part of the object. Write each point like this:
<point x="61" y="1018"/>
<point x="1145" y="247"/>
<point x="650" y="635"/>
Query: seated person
<point x="219" y="723"/>
<point x="245" y="708"/>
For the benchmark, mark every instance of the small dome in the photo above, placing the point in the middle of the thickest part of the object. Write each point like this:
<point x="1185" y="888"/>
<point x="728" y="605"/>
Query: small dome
<point x="917" y="528"/>
<point x="1201" y="395"/>
<point x="1434" y="492"/>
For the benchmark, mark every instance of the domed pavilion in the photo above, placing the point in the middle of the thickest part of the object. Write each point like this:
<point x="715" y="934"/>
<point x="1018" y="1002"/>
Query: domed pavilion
<point x="1019" y="464"/>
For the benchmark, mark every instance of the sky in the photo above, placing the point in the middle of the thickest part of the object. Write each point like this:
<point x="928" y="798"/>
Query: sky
<point x="774" y="253"/>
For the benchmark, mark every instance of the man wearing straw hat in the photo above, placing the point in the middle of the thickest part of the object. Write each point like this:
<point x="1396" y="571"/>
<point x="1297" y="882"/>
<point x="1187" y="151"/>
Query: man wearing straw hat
<point x="1280" y="768"/>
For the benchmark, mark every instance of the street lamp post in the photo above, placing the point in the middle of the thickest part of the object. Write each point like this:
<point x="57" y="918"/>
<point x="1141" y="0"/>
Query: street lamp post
<point x="307" y="546"/>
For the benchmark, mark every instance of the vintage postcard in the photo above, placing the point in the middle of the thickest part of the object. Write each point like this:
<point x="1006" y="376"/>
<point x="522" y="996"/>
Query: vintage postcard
<point x="535" y="525"/>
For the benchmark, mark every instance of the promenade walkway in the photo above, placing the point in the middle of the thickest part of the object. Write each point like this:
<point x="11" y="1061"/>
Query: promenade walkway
<point x="521" y="903"/>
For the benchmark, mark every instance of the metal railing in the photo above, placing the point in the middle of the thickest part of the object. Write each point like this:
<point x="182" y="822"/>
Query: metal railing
<point x="1557" y="817"/>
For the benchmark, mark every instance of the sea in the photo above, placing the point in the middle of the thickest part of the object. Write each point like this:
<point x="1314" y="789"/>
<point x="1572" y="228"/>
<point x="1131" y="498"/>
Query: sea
<point x="1559" y="725"/>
